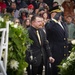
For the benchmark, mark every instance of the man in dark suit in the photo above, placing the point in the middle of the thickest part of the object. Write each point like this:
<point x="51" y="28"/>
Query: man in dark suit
<point x="38" y="46"/>
<point x="57" y="36"/>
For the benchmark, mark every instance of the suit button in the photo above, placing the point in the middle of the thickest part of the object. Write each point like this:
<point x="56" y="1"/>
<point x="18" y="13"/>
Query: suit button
<point x="64" y="54"/>
<point x="67" y="46"/>
<point x="64" y="46"/>
<point x="64" y="38"/>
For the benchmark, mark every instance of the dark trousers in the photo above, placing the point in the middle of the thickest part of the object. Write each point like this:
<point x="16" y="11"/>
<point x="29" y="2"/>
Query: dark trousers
<point x="55" y="69"/>
<point x="34" y="70"/>
<point x="51" y="69"/>
<point x="48" y="70"/>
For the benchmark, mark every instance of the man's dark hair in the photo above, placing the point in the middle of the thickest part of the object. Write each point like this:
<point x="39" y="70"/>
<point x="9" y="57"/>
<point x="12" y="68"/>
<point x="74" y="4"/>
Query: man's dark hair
<point x="9" y="10"/>
<point x="34" y="17"/>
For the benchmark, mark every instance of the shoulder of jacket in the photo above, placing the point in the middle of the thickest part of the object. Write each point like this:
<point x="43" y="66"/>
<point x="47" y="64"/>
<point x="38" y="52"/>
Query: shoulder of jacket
<point x="29" y="28"/>
<point x="48" y="22"/>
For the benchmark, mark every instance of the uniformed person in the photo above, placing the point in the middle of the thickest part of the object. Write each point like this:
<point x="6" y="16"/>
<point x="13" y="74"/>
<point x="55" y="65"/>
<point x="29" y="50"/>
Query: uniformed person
<point x="57" y="36"/>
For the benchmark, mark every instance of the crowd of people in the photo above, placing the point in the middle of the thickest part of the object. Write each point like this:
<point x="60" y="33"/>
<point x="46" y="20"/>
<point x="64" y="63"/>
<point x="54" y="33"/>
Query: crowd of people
<point x="50" y="29"/>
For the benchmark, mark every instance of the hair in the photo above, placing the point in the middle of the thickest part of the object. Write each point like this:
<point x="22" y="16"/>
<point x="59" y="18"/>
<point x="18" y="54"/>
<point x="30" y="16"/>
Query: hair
<point x="34" y="17"/>
<point x="9" y="10"/>
<point x="41" y="9"/>
<point x="12" y="3"/>
<point x="30" y="14"/>
<point x="24" y="22"/>
<point x="15" y="20"/>
<point x="22" y="10"/>
<point x="46" y="13"/>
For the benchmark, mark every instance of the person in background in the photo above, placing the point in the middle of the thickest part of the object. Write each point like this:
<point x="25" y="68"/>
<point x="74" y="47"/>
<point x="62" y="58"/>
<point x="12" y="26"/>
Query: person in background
<point x="36" y="11"/>
<point x="58" y="5"/>
<point x="26" y="23"/>
<point x="10" y="12"/>
<point x="45" y="17"/>
<point x="31" y="8"/>
<point x="21" y="4"/>
<point x="39" y="47"/>
<point x="74" y="24"/>
<point x="30" y="16"/>
<point x="2" y="6"/>
<point x="17" y="21"/>
<point x="71" y="27"/>
<point x="8" y="2"/>
<point x="68" y="6"/>
<point x="55" y="5"/>
<point x="41" y="3"/>
<point x="71" y="31"/>
<point x="41" y="11"/>
<point x="34" y="3"/>
<point x="16" y="12"/>
<point x="49" y="2"/>
<point x="57" y="36"/>
<point x="23" y="13"/>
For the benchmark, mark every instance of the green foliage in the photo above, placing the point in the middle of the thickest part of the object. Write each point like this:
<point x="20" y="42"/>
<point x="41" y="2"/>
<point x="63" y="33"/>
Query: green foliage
<point x="18" y="44"/>
<point x="67" y="66"/>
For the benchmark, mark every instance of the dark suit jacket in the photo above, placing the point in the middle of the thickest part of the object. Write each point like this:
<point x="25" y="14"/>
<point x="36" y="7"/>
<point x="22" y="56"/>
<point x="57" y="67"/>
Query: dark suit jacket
<point x="37" y="49"/>
<point x="57" y="37"/>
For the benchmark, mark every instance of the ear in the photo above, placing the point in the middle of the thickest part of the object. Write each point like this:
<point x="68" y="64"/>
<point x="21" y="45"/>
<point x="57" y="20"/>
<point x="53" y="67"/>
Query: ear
<point x="32" y="22"/>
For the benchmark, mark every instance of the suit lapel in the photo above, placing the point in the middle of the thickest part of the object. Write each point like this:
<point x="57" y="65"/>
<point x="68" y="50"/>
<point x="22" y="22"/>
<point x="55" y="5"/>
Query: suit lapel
<point x="65" y="29"/>
<point x="63" y="26"/>
<point x="35" y="36"/>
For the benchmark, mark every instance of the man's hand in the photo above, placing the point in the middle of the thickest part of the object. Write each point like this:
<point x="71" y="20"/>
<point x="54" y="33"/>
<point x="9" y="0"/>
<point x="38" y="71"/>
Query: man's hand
<point x="51" y="59"/>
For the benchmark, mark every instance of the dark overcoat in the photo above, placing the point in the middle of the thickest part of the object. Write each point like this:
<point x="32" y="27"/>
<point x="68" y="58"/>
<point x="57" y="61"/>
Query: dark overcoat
<point x="37" y="49"/>
<point x="57" y="37"/>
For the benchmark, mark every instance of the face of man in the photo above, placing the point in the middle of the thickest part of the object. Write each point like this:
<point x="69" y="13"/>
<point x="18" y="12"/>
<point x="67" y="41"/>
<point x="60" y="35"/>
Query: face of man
<point x="37" y="23"/>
